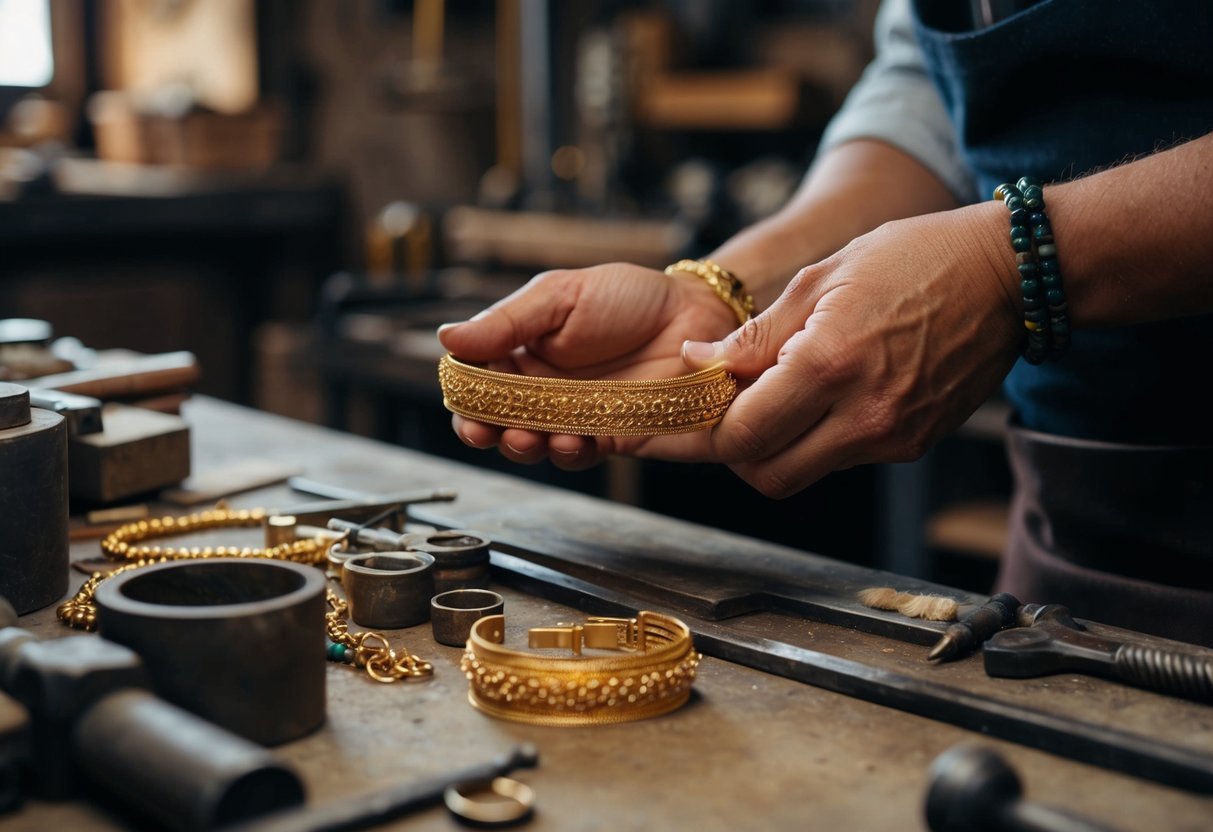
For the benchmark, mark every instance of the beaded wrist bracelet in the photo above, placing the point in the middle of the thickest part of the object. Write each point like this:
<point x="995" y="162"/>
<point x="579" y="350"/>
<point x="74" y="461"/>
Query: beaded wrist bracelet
<point x="1044" y="300"/>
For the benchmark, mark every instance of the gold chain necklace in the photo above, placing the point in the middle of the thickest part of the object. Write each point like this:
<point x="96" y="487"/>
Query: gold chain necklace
<point x="368" y="650"/>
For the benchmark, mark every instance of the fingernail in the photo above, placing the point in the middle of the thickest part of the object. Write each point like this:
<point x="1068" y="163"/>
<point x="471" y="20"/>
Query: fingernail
<point x="563" y="452"/>
<point x="467" y="440"/>
<point x="702" y="351"/>
<point x="446" y="327"/>
<point x="515" y="450"/>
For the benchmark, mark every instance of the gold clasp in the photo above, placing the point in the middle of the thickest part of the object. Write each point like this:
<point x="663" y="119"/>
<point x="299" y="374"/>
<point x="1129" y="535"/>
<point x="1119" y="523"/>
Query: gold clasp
<point x="601" y="633"/>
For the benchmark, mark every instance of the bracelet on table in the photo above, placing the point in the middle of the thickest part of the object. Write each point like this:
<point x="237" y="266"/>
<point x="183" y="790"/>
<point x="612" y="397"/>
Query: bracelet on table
<point x="650" y="676"/>
<point x="1046" y="317"/>
<point x="727" y="286"/>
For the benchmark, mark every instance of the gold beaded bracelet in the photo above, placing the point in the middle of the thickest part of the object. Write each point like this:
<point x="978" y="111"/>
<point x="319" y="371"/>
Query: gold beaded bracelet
<point x="653" y="678"/>
<point x="651" y="407"/>
<point x="725" y="284"/>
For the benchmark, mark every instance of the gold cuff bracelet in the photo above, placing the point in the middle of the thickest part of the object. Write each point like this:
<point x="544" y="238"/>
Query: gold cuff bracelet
<point x="652" y="678"/>
<point x="587" y="408"/>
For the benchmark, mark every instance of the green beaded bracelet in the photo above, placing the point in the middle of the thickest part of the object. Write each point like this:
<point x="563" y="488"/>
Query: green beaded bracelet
<point x="1046" y="320"/>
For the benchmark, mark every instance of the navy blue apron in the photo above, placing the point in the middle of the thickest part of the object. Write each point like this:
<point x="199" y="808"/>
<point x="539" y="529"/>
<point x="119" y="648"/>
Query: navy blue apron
<point x="1113" y="445"/>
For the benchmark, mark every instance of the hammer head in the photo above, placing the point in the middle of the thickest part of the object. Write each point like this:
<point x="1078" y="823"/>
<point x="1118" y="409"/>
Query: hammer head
<point x="57" y="681"/>
<point x="969" y="789"/>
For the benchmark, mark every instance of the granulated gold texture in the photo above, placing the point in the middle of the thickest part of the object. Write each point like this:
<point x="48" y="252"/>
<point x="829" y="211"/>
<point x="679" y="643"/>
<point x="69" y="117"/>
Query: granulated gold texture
<point x="587" y="408"/>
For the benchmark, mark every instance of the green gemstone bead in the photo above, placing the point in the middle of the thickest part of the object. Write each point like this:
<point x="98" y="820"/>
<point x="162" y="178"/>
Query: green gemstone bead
<point x="1055" y="297"/>
<point x="1029" y="288"/>
<point x="1028" y="270"/>
<point x="1014" y="202"/>
<point x="1036" y="315"/>
<point x="1021" y="243"/>
<point x="1020" y="231"/>
<point x="1041" y="232"/>
<point x="1049" y="265"/>
<point x="1020" y="216"/>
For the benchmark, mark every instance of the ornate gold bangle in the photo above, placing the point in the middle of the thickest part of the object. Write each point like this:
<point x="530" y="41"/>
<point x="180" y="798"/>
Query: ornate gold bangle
<point x="653" y="677"/>
<point x="724" y="283"/>
<point x="586" y="408"/>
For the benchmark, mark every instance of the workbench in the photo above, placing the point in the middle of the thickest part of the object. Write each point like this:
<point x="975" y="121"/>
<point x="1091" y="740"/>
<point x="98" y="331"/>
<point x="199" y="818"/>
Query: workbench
<point x="749" y="751"/>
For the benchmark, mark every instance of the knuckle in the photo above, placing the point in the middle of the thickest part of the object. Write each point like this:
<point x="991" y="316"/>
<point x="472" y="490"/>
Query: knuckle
<point x="834" y="365"/>
<point x="771" y="484"/>
<point x="739" y="443"/>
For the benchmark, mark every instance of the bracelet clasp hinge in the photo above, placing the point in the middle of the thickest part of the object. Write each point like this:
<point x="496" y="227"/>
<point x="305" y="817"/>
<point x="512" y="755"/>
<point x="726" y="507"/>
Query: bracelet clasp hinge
<point x="600" y="633"/>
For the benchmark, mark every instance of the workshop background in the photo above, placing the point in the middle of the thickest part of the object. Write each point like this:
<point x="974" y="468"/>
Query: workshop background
<point x="298" y="193"/>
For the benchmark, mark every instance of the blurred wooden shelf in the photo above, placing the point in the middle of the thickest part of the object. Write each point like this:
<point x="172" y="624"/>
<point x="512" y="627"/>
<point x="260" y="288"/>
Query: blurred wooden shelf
<point x="977" y="528"/>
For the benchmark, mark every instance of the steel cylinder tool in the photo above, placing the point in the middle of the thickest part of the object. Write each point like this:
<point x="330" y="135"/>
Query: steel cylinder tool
<point x="1053" y="642"/>
<point x="33" y="501"/>
<point x="224" y="636"/>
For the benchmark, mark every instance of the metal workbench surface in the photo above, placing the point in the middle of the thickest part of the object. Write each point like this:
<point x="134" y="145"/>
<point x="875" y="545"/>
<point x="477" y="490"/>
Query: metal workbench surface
<point x="750" y="750"/>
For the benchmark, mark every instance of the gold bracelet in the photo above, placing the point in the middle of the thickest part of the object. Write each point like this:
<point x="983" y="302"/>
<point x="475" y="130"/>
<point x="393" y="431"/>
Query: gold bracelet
<point x="724" y="283"/>
<point x="652" y="679"/>
<point x="653" y="407"/>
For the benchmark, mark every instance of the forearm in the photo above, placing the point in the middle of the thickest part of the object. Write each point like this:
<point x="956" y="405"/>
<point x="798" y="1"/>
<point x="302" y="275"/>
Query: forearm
<point x="851" y="189"/>
<point x="1135" y="243"/>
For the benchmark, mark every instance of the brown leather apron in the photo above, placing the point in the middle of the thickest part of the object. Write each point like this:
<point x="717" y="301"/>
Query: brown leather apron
<point x="1121" y="534"/>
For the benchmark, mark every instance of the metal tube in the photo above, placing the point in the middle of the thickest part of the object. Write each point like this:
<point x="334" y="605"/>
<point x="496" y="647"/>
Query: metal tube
<point x="186" y="773"/>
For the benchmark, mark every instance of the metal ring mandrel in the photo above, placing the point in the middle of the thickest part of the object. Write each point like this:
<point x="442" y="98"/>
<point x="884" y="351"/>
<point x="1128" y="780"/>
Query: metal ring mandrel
<point x="223" y="637"/>
<point x="512" y="802"/>
<point x="461" y="558"/>
<point x="453" y="613"/>
<point x="389" y="590"/>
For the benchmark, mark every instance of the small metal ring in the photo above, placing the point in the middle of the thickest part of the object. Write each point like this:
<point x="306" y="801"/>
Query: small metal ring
<point x="453" y="613"/>
<point x="517" y="806"/>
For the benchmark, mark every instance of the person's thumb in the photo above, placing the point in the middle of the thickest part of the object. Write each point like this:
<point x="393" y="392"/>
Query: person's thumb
<point x="522" y="318"/>
<point x="754" y="346"/>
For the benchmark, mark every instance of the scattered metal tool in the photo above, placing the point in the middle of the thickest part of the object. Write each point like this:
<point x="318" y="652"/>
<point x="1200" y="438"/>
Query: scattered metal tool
<point x="1050" y="641"/>
<point x="363" y="811"/>
<point x="286" y="523"/>
<point x="974" y="788"/>
<point x="975" y="627"/>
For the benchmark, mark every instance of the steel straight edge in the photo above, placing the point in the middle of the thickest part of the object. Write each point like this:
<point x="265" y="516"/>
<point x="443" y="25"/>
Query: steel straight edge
<point x="1064" y="736"/>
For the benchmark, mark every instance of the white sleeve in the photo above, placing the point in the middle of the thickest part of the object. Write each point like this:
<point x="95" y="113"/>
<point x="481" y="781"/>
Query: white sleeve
<point x="896" y="102"/>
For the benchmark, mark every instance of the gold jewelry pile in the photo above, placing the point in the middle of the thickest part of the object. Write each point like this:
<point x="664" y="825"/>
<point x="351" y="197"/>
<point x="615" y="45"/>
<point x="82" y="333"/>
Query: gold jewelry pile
<point x="652" y="678"/>
<point x="586" y="408"/>
<point x="367" y="650"/>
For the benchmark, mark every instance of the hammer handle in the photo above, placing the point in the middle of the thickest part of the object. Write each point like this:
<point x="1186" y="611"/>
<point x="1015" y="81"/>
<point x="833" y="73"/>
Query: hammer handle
<point x="1189" y="675"/>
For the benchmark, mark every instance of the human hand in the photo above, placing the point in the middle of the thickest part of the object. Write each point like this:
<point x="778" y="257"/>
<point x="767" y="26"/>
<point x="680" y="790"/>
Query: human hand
<point x="873" y="354"/>
<point x="614" y="321"/>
